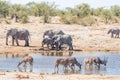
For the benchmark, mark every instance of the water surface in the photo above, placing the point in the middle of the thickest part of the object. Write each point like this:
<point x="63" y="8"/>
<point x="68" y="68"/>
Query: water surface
<point x="45" y="64"/>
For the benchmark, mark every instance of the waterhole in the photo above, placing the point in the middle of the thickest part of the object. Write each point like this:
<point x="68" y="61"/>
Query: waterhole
<point x="44" y="63"/>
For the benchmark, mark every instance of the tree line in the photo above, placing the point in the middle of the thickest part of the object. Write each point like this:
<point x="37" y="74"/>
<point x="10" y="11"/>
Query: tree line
<point x="81" y="14"/>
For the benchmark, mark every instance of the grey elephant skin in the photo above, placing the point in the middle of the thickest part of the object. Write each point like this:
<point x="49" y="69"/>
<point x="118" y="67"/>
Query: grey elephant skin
<point x="52" y="32"/>
<point x="48" y="41"/>
<point x="18" y="34"/>
<point x="63" y="39"/>
<point x="114" y="32"/>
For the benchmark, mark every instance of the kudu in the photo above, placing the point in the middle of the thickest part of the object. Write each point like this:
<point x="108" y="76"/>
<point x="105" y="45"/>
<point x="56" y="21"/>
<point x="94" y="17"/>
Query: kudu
<point x="24" y="60"/>
<point x="71" y="62"/>
<point x="96" y="60"/>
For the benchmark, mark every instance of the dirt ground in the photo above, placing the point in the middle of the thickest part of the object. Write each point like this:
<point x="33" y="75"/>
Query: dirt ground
<point x="85" y="38"/>
<point x="33" y="76"/>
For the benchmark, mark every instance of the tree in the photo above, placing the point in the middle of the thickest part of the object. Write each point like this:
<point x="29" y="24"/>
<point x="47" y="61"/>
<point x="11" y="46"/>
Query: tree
<point x="107" y="16"/>
<point x="83" y="10"/>
<point x="4" y="8"/>
<point x="116" y="10"/>
<point x="19" y="12"/>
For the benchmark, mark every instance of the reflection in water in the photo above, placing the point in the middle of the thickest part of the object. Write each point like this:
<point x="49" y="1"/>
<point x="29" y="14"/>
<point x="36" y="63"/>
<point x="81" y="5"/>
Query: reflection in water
<point x="88" y="69"/>
<point x="12" y="55"/>
<point x="72" y="71"/>
<point x="94" y="70"/>
<point x="57" y="53"/>
<point x="45" y="64"/>
<point x="24" y="69"/>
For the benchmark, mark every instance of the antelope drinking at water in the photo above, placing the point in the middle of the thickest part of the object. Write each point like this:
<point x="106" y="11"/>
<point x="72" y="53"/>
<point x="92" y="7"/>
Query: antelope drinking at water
<point x="96" y="60"/>
<point x="26" y="59"/>
<point x="71" y="62"/>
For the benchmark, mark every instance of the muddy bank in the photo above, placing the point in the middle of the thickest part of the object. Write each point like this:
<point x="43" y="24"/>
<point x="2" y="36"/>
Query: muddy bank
<point x="32" y="76"/>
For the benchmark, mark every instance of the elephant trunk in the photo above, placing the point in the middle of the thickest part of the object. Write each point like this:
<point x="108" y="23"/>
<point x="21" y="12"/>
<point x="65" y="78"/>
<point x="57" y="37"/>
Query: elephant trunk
<point x="109" y="31"/>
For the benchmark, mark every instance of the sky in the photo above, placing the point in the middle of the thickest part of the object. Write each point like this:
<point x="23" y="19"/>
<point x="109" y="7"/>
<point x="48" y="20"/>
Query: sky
<point x="62" y="4"/>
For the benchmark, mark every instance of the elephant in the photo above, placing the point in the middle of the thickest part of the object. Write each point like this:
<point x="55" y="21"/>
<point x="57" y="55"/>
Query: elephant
<point x="51" y="33"/>
<point x="63" y="39"/>
<point x="115" y="31"/>
<point x="18" y="34"/>
<point x="48" y="41"/>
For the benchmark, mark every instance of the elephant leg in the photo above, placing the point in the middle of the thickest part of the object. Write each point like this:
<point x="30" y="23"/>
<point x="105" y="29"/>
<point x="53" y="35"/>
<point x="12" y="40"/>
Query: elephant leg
<point x="111" y="35"/>
<point x="12" y="41"/>
<point x="26" y="42"/>
<point x="6" y="40"/>
<point x="52" y="46"/>
<point x="59" y="47"/>
<point x="115" y="35"/>
<point x="17" y="42"/>
<point x="48" y="46"/>
<point x="70" y="46"/>
<point x="118" y="35"/>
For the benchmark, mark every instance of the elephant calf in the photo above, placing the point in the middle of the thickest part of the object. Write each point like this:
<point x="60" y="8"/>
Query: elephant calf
<point x="16" y="35"/>
<point x="48" y="41"/>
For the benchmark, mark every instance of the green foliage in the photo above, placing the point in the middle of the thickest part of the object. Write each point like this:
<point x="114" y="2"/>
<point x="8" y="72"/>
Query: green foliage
<point x="23" y="16"/>
<point x="83" y="10"/>
<point x="107" y="16"/>
<point x="82" y="14"/>
<point x="98" y="11"/>
<point x="87" y="21"/>
<point x="42" y="9"/>
<point x="68" y="19"/>
<point x="39" y="9"/>
<point x="4" y="9"/>
<point x="116" y="10"/>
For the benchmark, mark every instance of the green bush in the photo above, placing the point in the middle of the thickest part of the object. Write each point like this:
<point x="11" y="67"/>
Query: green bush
<point x="87" y="21"/>
<point x="23" y="17"/>
<point x="69" y="19"/>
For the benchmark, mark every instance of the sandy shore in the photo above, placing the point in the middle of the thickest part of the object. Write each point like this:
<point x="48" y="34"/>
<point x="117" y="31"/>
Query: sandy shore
<point x="33" y="76"/>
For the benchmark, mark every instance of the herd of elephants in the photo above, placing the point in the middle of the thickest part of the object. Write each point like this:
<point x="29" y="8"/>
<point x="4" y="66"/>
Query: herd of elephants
<point x="54" y="39"/>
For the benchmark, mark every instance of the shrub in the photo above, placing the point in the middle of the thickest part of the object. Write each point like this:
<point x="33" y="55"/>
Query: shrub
<point x="69" y="19"/>
<point x="114" y="19"/>
<point x="23" y="17"/>
<point x="87" y="21"/>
